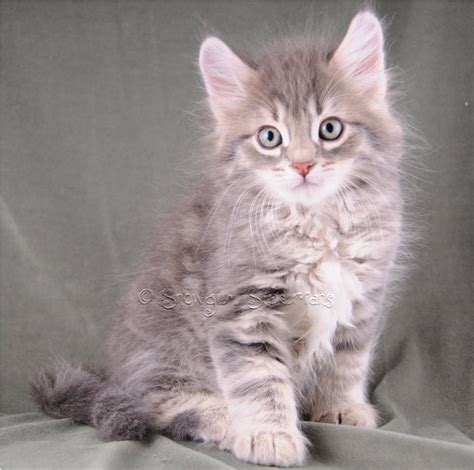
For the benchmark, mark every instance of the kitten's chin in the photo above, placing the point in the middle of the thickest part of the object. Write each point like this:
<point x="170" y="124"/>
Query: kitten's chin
<point x="305" y="193"/>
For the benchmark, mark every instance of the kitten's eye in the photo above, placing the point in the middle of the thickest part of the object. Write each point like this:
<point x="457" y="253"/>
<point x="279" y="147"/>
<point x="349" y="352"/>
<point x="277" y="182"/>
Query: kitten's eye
<point x="330" y="129"/>
<point x="269" y="137"/>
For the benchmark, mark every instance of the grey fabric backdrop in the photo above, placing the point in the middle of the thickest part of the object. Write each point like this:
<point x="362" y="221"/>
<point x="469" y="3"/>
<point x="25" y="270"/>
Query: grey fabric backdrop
<point x="96" y="138"/>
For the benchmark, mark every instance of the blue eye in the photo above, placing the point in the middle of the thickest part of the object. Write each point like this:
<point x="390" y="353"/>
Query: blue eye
<point x="330" y="129"/>
<point x="269" y="137"/>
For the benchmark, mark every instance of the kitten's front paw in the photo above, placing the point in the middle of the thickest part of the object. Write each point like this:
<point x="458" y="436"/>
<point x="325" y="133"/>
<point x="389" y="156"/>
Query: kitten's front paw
<point x="359" y="414"/>
<point x="280" y="448"/>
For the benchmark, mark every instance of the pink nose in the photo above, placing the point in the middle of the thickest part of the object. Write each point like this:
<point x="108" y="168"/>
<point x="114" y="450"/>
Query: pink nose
<point x="303" y="168"/>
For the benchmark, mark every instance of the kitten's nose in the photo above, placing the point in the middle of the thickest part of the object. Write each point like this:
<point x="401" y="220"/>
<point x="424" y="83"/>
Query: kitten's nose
<point x="303" y="168"/>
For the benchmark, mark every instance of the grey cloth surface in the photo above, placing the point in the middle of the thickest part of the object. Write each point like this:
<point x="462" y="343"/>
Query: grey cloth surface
<point x="97" y="104"/>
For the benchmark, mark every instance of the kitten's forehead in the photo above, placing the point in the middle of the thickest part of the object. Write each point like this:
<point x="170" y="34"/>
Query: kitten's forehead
<point x="294" y="75"/>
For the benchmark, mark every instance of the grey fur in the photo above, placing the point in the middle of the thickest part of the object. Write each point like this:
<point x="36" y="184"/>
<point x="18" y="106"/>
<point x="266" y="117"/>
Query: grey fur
<point x="65" y="390"/>
<point x="88" y="398"/>
<point x="120" y="416"/>
<point x="240" y="376"/>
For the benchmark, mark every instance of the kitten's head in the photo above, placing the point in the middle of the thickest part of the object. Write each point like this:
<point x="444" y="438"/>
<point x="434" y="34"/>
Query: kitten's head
<point x="304" y="121"/>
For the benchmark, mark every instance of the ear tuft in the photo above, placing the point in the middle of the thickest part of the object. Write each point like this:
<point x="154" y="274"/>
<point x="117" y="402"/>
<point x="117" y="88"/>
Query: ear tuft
<point x="361" y="54"/>
<point x="224" y="74"/>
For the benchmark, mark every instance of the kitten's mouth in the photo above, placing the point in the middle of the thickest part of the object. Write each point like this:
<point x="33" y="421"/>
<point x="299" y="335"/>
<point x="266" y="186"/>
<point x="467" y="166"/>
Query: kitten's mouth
<point x="305" y="183"/>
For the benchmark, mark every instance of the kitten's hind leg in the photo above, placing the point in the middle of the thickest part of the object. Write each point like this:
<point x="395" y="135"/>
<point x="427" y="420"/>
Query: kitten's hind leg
<point x="190" y="412"/>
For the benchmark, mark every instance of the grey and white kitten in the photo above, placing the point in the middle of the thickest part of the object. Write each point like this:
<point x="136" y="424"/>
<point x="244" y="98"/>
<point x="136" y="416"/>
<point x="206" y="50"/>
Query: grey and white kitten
<point x="263" y="298"/>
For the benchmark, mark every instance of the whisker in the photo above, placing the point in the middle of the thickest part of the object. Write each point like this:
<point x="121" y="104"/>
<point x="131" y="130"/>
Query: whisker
<point x="233" y="215"/>
<point x="211" y="219"/>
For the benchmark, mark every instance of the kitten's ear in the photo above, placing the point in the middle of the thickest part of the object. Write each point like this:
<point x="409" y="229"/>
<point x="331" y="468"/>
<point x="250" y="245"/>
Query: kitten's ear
<point x="361" y="54"/>
<point x="224" y="75"/>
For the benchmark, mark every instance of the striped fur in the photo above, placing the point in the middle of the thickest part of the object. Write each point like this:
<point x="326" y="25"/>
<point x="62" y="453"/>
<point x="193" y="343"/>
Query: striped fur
<point x="298" y="274"/>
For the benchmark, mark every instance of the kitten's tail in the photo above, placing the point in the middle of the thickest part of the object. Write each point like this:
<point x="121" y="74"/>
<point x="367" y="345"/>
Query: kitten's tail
<point x="68" y="391"/>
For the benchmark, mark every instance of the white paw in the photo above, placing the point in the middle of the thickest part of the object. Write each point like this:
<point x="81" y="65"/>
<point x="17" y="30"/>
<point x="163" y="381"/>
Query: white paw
<point x="280" y="448"/>
<point x="360" y="414"/>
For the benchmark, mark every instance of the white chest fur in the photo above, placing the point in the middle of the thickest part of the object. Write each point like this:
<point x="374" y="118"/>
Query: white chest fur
<point x="322" y="296"/>
<point x="322" y="284"/>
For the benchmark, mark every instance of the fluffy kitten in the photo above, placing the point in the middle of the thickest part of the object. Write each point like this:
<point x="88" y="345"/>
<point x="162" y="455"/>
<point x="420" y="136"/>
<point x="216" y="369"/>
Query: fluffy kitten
<point x="262" y="301"/>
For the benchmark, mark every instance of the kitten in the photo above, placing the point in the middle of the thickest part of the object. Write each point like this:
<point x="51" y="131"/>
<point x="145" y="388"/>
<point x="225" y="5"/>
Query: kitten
<point x="263" y="298"/>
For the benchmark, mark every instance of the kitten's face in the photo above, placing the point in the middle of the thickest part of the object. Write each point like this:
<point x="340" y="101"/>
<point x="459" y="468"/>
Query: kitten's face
<point x="302" y="157"/>
<point x="305" y="126"/>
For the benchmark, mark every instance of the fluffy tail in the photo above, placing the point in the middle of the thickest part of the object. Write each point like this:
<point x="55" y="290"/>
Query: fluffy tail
<point x="67" y="391"/>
